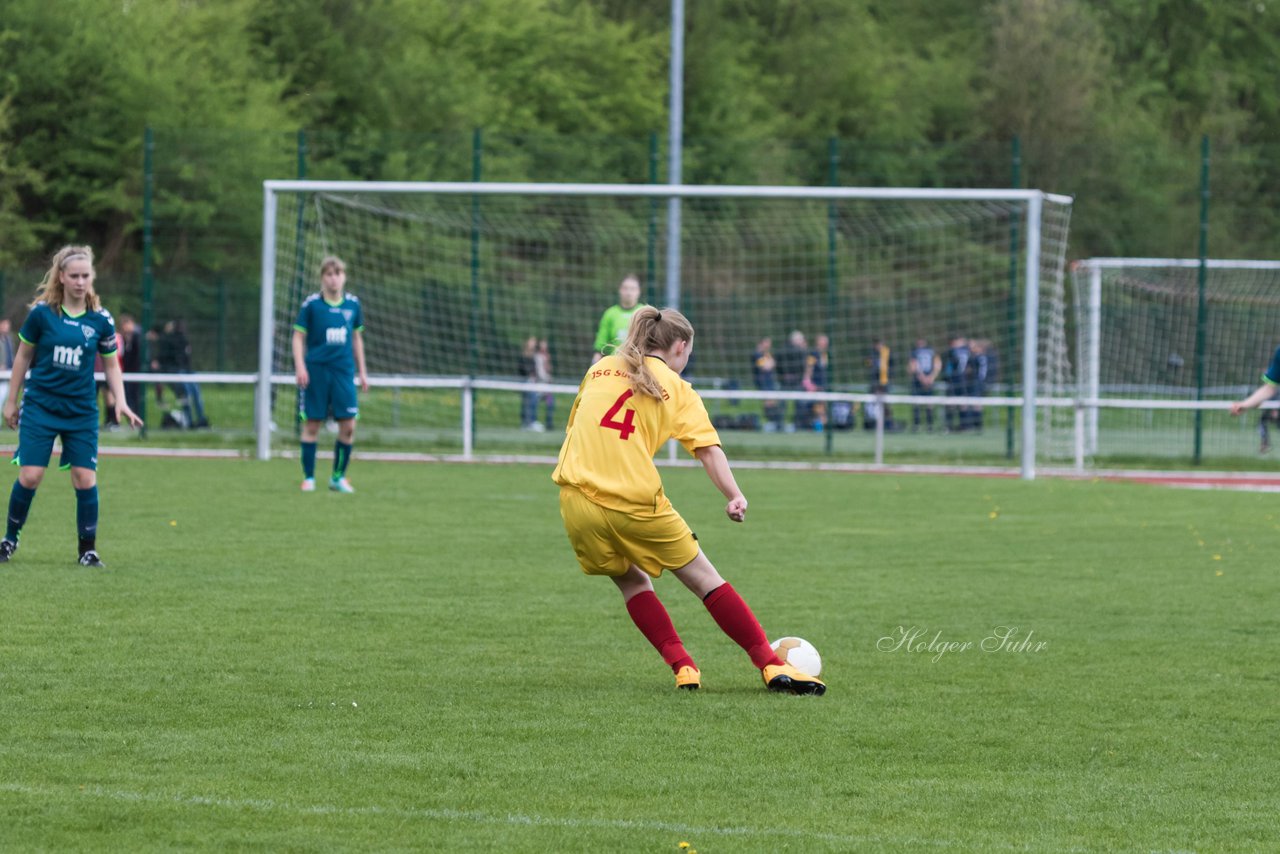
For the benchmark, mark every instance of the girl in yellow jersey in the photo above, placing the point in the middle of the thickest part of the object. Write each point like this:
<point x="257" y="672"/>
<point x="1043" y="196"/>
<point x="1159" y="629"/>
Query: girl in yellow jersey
<point x="619" y="520"/>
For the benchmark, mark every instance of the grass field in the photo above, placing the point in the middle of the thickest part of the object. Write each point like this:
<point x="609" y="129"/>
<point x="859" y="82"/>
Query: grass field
<point x="422" y="666"/>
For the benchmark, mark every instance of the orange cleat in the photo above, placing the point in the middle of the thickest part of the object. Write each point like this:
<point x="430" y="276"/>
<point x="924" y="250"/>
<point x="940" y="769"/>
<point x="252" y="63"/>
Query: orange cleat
<point x="784" y="677"/>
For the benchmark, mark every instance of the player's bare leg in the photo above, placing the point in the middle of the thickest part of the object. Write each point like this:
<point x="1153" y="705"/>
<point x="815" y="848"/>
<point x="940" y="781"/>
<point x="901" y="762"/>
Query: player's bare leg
<point x="700" y="576"/>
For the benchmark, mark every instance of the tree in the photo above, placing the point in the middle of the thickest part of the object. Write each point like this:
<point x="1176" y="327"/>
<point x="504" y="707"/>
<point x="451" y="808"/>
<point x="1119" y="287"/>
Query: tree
<point x="21" y="236"/>
<point x="89" y="76"/>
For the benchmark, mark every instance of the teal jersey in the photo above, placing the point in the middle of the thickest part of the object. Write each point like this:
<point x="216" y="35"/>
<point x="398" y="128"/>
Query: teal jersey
<point x="61" y="379"/>
<point x="1271" y="375"/>
<point x="330" y="330"/>
<point x="614" y="324"/>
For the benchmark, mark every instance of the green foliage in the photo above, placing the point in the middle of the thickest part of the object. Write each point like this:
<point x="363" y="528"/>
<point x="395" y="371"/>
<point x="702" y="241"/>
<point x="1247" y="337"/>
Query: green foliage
<point x="21" y="236"/>
<point x="531" y="66"/>
<point x="91" y="75"/>
<point x="1109" y="98"/>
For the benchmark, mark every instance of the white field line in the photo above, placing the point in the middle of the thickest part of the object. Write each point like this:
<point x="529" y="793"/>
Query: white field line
<point x="684" y="831"/>
<point x="185" y="453"/>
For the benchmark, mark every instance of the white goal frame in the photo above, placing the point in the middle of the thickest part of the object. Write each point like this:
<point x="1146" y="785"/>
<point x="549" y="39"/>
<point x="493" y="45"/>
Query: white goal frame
<point x="1033" y="199"/>
<point x="1091" y="357"/>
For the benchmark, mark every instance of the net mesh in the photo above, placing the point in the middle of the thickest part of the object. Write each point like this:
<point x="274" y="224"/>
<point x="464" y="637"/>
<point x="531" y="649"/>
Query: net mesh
<point x="1149" y="344"/>
<point x="456" y="285"/>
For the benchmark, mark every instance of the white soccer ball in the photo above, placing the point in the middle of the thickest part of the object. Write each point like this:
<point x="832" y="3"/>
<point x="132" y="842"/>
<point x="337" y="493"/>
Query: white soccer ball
<point x="800" y="654"/>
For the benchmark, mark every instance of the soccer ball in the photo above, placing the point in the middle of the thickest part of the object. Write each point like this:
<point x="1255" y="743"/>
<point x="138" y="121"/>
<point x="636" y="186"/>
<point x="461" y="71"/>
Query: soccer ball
<point x="800" y="654"/>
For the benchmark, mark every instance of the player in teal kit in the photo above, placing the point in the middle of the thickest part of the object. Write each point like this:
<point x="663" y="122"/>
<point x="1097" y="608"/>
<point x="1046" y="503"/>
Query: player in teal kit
<point x="328" y="353"/>
<point x="66" y="328"/>
<point x="1266" y="391"/>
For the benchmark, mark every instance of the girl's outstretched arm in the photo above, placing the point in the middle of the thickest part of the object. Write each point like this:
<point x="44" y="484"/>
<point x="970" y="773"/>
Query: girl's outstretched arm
<point x="1263" y="393"/>
<point x="717" y="465"/>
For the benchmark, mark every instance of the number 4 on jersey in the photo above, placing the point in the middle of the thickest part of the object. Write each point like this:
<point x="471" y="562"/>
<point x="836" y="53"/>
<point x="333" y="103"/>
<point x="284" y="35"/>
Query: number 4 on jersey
<point x="626" y="426"/>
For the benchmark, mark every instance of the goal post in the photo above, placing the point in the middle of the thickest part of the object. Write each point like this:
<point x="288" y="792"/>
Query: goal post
<point x="463" y="271"/>
<point x="1150" y="357"/>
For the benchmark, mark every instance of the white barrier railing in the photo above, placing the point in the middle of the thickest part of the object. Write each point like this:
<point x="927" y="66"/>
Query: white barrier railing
<point x="467" y="387"/>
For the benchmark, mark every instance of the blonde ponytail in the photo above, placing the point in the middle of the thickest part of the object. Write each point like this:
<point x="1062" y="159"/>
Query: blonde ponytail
<point x="651" y="329"/>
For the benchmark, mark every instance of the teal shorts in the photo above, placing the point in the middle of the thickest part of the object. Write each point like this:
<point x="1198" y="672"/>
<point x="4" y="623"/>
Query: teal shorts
<point x="328" y="393"/>
<point x="37" y="429"/>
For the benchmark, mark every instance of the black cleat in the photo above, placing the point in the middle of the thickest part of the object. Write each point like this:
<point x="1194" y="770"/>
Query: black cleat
<point x="7" y="548"/>
<point x="785" y="678"/>
<point x="90" y="558"/>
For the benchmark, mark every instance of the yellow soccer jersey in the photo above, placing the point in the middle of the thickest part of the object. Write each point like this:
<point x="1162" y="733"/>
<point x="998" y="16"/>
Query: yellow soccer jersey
<point x="613" y="434"/>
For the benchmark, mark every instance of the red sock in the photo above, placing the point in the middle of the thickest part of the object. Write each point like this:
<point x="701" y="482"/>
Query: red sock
<point x="735" y="619"/>
<point x="653" y="621"/>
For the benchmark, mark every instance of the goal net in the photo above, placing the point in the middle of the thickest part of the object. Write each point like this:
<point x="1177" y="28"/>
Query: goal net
<point x="456" y="279"/>
<point x="1163" y="354"/>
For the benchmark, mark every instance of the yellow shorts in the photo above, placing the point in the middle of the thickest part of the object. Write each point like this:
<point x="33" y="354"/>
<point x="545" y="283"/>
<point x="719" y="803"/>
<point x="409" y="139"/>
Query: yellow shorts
<point x="608" y="541"/>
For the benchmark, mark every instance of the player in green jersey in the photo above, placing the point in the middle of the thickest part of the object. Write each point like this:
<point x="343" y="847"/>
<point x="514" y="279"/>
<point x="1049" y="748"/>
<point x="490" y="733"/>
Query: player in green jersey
<point x="616" y="319"/>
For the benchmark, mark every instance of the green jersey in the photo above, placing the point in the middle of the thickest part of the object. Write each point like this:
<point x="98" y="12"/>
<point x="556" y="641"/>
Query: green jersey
<point x="614" y="324"/>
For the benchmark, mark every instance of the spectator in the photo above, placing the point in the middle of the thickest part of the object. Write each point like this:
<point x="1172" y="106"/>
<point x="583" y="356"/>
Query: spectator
<point x="529" y="399"/>
<point x="130" y="359"/>
<point x="153" y="346"/>
<point x="174" y="356"/>
<point x="880" y="365"/>
<point x="871" y="411"/>
<point x="925" y="367"/>
<point x="764" y="371"/>
<point x="164" y="360"/>
<point x="816" y="377"/>
<point x="979" y="375"/>
<point x="616" y="319"/>
<point x="993" y="363"/>
<point x="791" y="364"/>
<point x="542" y="373"/>
<point x="956" y="371"/>
<point x="6" y="355"/>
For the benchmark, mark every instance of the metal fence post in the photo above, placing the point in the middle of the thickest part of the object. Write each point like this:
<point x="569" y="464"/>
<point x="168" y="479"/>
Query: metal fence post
<point x="1202" y="309"/>
<point x="1015" y="154"/>
<point x="148" y="273"/>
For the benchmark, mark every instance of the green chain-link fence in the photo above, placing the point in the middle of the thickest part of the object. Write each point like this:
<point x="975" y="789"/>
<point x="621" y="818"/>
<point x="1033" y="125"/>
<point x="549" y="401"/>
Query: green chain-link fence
<point x="205" y="212"/>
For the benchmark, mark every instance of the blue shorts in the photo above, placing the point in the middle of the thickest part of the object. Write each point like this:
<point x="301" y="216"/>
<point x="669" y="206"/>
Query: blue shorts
<point x="37" y="428"/>
<point x="329" y="391"/>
